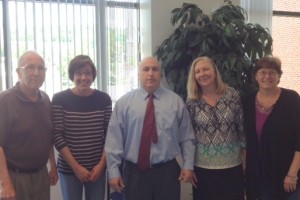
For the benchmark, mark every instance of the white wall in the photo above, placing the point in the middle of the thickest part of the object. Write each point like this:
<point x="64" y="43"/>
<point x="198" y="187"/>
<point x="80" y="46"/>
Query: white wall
<point x="259" y="12"/>
<point x="155" y="20"/>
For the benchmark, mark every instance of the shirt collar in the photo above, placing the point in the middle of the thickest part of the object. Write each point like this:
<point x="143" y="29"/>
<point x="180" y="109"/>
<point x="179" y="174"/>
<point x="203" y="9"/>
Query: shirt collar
<point x="157" y="93"/>
<point x="23" y="98"/>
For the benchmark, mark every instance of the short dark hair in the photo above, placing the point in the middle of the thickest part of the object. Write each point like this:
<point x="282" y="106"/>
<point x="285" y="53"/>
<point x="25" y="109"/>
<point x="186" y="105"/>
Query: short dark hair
<point x="78" y="62"/>
<point x="268" y="62"/>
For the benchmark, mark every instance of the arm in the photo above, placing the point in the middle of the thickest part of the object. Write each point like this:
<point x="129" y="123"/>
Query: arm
<point x="187" y="143"/>
<point x="290" y="181"/>
<point x="81" y="172"/>
<point x="239" y="119"/>
<point x="114" y="149"/>
<point x="100" y="167"/>
<point x="7" y="191"/>
<point x="244" y="154"/>
<point x="53" y="170"/>
<point x="186" y="138"/>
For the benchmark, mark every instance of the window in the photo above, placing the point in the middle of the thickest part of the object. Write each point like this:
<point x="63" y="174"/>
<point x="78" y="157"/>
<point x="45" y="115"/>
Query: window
<point x="58" y="30"/>
<point x="285" y="28"/>
<point x="122" y="47"/>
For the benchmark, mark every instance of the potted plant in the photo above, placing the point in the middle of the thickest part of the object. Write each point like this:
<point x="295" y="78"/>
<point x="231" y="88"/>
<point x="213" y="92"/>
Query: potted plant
<point x="232" y="43"/>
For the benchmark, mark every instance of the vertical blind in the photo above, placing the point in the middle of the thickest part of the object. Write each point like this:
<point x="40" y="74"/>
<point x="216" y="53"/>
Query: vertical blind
<point x="61" y="29"/>
<point x="122" y="43"/>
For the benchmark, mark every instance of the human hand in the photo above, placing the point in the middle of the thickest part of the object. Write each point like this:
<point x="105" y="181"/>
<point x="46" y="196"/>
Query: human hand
<point x="117" y="184"/>
<point x="188" y="176"/>
<point x="290" y="183"/>
<point x="82" y="173"/>
<point x="97" y="172"/>
<point x="53" y="176"/>
<point x="7" y="191"/>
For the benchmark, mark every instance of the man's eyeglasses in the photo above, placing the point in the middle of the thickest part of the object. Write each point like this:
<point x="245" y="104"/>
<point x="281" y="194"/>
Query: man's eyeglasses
<point x="32" y="68"/>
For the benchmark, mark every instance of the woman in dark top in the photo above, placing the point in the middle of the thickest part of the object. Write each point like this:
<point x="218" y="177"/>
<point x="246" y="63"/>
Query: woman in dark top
<point x="272" y="124"/>
<point x="80" y="118"/>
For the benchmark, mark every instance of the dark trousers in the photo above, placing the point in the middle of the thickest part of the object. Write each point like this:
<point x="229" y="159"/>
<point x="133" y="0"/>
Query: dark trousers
<point x="219" y="184"/>
<point x="158" y="183"/>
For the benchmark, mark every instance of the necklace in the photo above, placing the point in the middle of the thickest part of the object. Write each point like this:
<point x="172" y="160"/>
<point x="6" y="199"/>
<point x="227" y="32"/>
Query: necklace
<point x="262" y="109"/>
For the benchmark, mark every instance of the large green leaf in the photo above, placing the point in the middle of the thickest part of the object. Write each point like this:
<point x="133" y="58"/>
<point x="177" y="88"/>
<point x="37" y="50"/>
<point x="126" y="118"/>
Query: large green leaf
<point x="232" y="43"/>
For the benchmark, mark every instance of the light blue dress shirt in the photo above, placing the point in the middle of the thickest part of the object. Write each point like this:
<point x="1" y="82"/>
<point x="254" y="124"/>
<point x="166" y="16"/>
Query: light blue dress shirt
<point x="174" y="129"/>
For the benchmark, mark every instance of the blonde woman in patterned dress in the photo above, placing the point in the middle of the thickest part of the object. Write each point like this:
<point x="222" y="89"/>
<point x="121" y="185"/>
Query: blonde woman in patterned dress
<point x="216" y="113"/>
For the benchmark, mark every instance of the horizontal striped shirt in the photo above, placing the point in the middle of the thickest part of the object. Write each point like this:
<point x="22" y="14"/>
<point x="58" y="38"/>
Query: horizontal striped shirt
<point x="80" y="123"/>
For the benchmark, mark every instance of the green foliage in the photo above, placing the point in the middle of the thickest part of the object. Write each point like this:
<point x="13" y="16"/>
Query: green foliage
<point x="232" y="43"/>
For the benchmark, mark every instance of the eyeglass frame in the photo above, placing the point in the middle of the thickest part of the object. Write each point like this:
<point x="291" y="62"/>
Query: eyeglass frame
<point x="32" y="68"/>
<point x="79" y="74"/>
<point x="269" y="73"/>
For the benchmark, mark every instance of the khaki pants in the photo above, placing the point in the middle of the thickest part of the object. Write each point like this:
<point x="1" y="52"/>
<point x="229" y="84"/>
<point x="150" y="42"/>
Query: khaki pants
<point x="31" y="186"/>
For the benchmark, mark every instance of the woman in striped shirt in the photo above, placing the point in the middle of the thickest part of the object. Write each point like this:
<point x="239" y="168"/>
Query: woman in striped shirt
<point x="80" y="118"/>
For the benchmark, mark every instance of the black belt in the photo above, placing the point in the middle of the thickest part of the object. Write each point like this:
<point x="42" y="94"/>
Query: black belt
<point x="27" y="171"/>
<point x="156" y="165"/>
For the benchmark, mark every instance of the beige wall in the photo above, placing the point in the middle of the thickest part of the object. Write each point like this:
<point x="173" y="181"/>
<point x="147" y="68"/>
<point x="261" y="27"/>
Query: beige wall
<point x="286" y="40"/>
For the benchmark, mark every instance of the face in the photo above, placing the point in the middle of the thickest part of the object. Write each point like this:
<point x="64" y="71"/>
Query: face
<point x="149" y="74"/>
<point x="205" y="74"/>
<point x="32" y="72"/>
<point x="83" y="78"/>
<point x="267" y="78"/>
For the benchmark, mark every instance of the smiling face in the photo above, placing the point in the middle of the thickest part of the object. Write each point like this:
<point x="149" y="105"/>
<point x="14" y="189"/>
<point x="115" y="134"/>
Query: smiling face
<point x="267" y="72"/>
<point x="267" y="78"/>
<point x="31" y="71"/>
<point x="149" y="74"/>
<point x="205" y="74"/>
<point x="83" y="79"/>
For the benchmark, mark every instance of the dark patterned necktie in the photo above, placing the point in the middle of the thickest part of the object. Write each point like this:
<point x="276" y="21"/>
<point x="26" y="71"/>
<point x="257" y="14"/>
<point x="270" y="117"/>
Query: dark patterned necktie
<point x="149" y="133"/>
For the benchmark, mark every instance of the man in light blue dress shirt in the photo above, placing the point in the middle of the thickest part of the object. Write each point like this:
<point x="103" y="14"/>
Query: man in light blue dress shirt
<point x="175" y="137"/>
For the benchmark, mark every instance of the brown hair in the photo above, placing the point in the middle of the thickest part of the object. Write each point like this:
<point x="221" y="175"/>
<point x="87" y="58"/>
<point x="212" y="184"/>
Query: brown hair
<point x="268" y="62"/>
<point x="78" y="62"/>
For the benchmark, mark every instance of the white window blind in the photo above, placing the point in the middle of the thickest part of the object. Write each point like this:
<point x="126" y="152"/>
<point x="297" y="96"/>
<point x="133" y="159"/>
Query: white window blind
<point x="62" y="29"/>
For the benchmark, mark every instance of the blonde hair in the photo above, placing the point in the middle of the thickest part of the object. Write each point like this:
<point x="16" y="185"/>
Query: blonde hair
<point x="193" y="88"/>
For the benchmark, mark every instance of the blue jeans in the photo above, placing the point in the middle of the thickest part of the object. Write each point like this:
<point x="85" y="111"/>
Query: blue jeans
<point x="72" y="188"/>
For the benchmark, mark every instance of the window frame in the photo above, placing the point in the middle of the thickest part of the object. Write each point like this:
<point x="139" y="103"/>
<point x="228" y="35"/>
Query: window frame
<point x="100" y="6"/>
